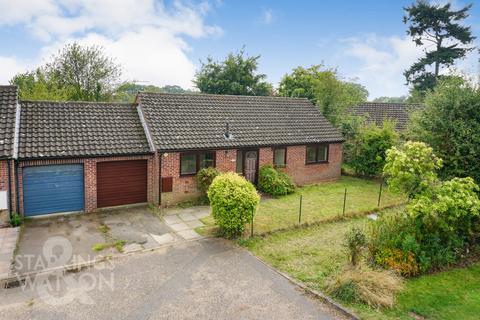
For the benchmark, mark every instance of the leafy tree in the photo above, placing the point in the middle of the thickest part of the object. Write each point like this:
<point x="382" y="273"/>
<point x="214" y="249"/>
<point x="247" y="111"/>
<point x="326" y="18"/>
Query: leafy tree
<point x="85" y="72"/>
<point x="127" y="91"/>
<point x="236" y="75"/>
<point x="439" y="27"/>
<point x="324" y="89"/>
<point x="34" y="85"/>
<point x="400" y="99"/>
<point x="367" y="156"/>
<point x="412" y="169"/>
<point x="450" y="124"/>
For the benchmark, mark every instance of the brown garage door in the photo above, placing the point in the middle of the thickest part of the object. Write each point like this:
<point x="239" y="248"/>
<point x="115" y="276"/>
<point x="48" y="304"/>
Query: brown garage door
<point x="121" y="182"/>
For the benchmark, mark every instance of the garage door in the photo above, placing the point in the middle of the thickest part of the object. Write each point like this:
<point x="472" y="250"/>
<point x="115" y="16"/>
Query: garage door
<point x="50" y="189"/>
<point x="121" y="182"/>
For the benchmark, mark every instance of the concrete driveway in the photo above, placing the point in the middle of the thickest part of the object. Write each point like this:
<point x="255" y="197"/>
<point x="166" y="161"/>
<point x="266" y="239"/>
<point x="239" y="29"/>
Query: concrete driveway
<point x="71" y="239"/>
<point x="204" y="279"/>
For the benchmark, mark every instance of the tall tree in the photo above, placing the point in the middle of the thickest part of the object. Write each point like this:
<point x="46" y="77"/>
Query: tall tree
<point x="324" y="88"/>
<point x="237" y="75"/>
<point x="450" y="124"/>
<point x="439" y="28"/>
<point x="85" y="71"/>
<point x="77" y="72"/>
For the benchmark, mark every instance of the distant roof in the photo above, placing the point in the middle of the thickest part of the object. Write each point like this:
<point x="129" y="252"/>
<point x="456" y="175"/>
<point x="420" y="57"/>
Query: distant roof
<point x="79" y="129"/>
<point x="198" y="121"/>
<point x="378" y="112"/>
<point x="8" y="102"/>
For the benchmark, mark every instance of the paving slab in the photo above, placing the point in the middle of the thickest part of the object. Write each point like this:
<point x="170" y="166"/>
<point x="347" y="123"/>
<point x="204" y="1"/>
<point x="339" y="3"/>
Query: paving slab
<point x="172" y="219"/>
<point x="179" y="226"/>
<point x="164" y="239"/>
<point x="187" y="216"/>
<point x="189" y="234"/>
<point x="194" y="224"/>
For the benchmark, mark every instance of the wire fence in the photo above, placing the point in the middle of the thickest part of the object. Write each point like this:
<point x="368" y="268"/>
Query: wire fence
<point x="324" y="202"/>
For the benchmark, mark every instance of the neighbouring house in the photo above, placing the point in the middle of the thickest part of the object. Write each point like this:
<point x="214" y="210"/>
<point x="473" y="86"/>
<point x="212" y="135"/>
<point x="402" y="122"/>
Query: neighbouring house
<point x="378" y="112"/>
<point x="82" y="156"/>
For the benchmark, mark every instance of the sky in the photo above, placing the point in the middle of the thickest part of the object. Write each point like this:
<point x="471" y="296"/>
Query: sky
<point x="162" y="42"/>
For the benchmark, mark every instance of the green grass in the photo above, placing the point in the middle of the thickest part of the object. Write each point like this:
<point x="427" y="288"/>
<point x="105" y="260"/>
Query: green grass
<point x="320" y="202"/>
<point x="315" y="253"/>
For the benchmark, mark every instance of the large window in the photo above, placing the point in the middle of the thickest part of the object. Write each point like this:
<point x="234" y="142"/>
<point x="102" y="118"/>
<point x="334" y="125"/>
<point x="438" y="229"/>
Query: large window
<point x="280" y="157"/>
<point x="317" y="153"/>
<point x="191" y="163"/>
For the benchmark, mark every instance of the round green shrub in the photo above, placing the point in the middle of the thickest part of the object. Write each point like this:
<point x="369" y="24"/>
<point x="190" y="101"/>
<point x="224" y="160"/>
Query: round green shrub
<point x="274" y="182"/>
<point x="233" y="200"/>
<point x="205" y="177"/>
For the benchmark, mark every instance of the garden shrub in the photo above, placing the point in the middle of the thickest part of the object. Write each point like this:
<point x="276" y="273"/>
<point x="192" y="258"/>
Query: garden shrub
<point x="204" y="179"/>
<point x="436" y="230"/>
<point x="233" y="200"/>
<point x="274" y="182"/>
<point x="377" y="288"/>
<point x="412" y="168"/>
<point x="367" y="156"/>
<point x="354" y="242"/>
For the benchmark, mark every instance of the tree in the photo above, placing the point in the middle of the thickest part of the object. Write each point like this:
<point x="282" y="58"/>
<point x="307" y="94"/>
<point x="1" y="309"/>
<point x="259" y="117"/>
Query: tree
<point x="400" y="99"/>
<point x="324" y="88"/>
<point x="450" y="124"/>
<point x="236" y="75"/>
<point x="85" y="72"/>
<point x="412" y="169"/>
<point x="127" y="91"/>
<point x="367" y="155"/>
<point x="439" y="27"/>
<point x="34" y="85"/>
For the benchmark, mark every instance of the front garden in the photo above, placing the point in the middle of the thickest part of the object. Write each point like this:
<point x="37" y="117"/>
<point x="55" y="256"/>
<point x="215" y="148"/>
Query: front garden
<point x="320" y="202"/>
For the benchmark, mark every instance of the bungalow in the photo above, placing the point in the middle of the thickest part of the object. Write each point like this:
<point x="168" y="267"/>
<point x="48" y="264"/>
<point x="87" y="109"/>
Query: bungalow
<point x="81" y="156"/>
<point x="378" y="112"/>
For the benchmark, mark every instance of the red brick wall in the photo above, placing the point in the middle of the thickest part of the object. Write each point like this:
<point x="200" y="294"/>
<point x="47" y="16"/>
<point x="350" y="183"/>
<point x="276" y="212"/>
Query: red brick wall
<point x="302" y="173"/>
<point x="3" y="175"/>
<point x="90" y="174"/>
<point x="185" y="188"/>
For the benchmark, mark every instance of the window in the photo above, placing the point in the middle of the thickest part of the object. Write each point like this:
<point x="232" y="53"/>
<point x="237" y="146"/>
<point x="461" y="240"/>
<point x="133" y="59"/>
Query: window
<point x="191" y="163"/>
<point x="280" y="157"/>
<point x="317" y="153"/>
<point x="239" y="162"/>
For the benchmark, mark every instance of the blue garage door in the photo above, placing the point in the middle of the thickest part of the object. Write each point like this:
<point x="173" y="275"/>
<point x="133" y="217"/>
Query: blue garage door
<point x="50" y="189"/>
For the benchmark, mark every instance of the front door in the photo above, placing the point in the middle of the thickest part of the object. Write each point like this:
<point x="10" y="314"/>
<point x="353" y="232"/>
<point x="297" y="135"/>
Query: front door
<point x="251" y="166"/>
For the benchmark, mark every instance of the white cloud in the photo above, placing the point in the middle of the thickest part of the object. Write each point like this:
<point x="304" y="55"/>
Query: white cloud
<point x="267" y="16"/>
<point x="10" y="66"/>
<point x="146" y="36"/>
<point x="379" y="62"/>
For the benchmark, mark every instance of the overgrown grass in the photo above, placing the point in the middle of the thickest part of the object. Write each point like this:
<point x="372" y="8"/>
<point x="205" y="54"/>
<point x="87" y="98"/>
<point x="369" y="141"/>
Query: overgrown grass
<point x="320" y="202"/>
<point x="314" y="254"/>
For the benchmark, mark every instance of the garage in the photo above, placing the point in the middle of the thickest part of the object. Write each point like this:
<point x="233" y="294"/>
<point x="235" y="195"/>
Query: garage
<point x="52" y="189"/>
<point x="121" y="183"/>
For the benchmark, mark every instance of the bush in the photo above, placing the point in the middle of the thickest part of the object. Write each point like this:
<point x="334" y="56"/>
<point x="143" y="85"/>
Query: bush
<point x="16" y="220"/>
<point x="204" y="179"/>
<point x="436" y="230"/>
<point x="412" y="168"/>
<point x="274" y="182"/>
<point x="377" y="288"/>
<point x="233" y="200"/>
<point x="354" y="242"/>
<point x="367" y="156"/>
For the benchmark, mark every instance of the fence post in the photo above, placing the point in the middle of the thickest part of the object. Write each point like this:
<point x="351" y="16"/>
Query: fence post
<point x="300" y="210"/>
<point x="380" y="193"/>
<point x="344" y="200"/>
<point x="251" y="224"/>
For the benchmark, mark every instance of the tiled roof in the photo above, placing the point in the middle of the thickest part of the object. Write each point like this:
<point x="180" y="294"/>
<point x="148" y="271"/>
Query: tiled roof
<point x="198" y="121"/>
<point x="79" y="129"/>
<point x="8" y="102"/>
<point x="378" y="112"/>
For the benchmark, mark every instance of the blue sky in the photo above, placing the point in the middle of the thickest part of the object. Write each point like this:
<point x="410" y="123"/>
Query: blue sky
<point x="161" y="42"/>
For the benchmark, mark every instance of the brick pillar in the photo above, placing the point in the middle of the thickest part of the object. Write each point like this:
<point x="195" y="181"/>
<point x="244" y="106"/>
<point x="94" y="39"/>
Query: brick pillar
<point x="265" y="156"/>
<point x="90" y="172"/>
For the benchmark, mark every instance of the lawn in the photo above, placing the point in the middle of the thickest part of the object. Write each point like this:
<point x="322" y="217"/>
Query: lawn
<point x="314" y="253"/>
<point x="320" y="202"/>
